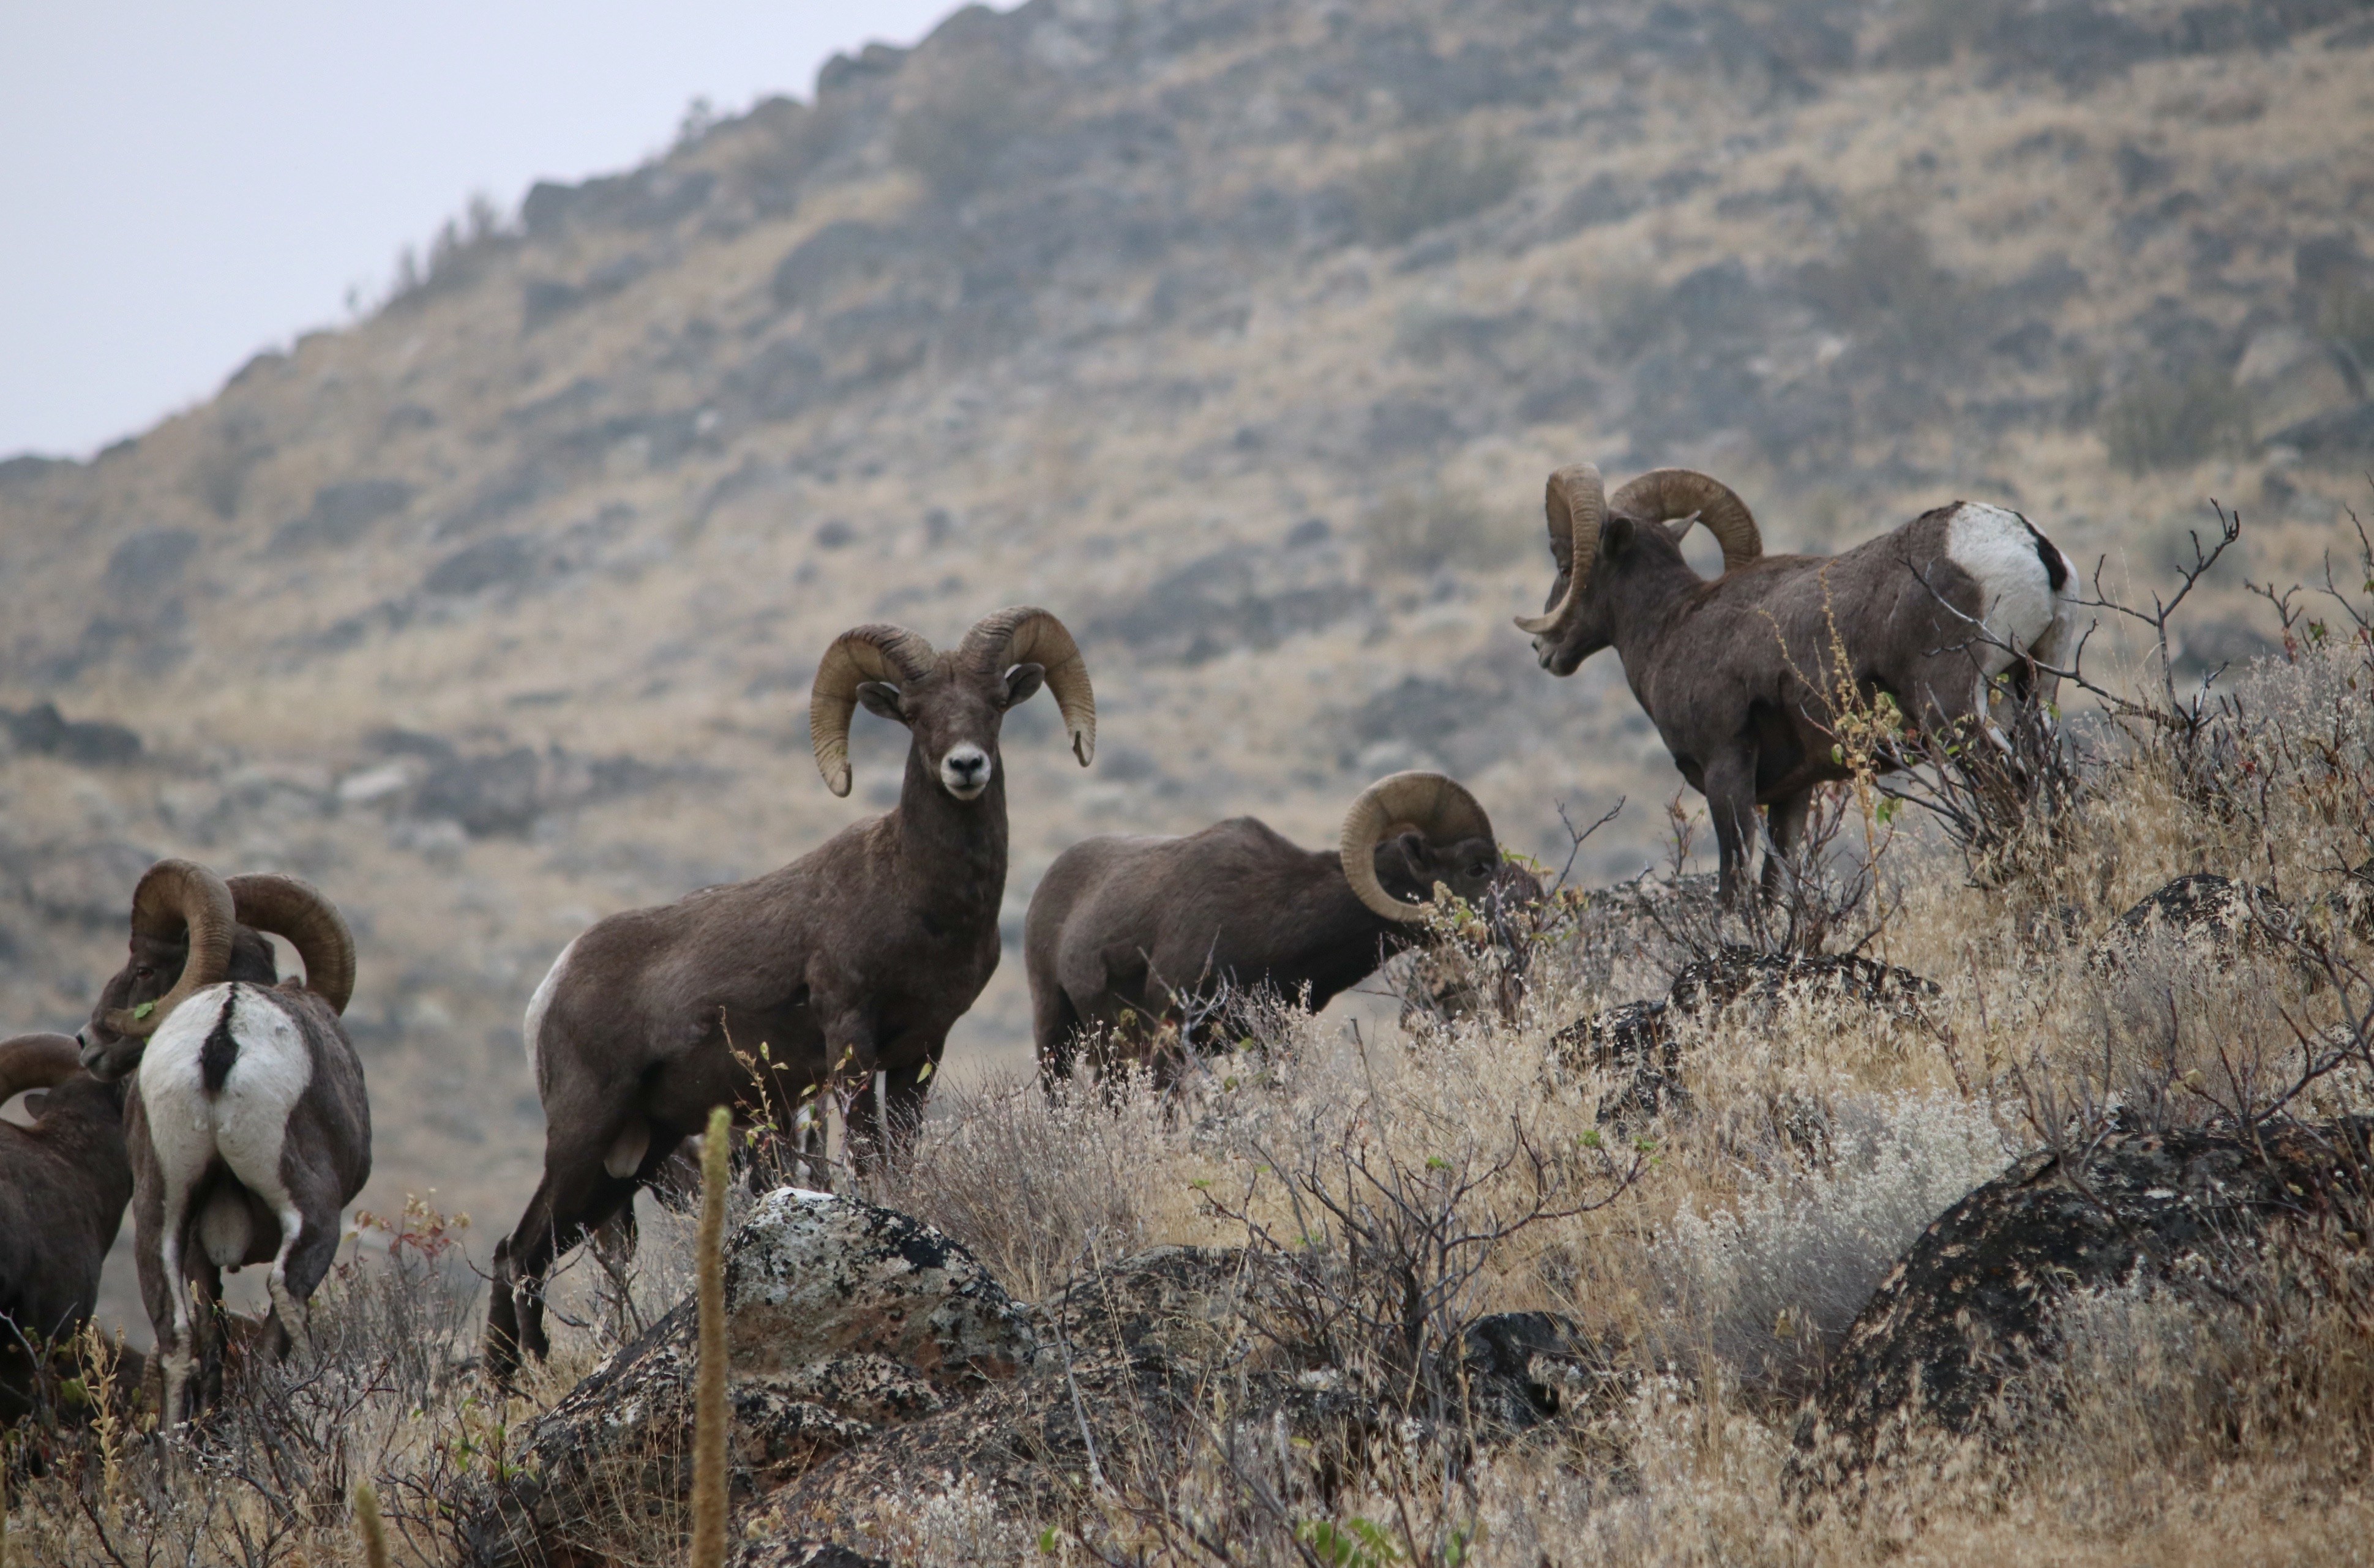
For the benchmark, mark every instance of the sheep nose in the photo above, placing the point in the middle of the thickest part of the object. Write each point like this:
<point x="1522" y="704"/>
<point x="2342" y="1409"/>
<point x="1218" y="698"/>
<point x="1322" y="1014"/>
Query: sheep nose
<point x="965" y="770"/>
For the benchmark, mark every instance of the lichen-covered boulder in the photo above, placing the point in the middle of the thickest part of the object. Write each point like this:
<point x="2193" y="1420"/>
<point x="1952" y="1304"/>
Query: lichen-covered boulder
<point x="1971" y="1301"/>
<point x="842" y="1320"/>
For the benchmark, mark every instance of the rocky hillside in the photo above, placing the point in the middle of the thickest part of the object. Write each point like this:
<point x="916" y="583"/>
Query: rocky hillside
<point x="1239" y="333"/>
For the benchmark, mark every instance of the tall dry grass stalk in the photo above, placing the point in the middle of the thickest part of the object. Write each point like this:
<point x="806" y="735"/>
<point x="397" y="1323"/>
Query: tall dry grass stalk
<point x="709" y="1387"/>
<point x="370" y="1526"/>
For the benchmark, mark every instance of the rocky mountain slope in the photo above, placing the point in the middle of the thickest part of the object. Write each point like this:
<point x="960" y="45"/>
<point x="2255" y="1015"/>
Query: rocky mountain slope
<point x="1239" y="333"/>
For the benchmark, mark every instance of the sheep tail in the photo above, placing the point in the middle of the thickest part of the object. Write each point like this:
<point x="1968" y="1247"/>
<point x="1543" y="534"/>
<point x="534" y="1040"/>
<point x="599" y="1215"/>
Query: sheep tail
<point x="222" y="1050"/>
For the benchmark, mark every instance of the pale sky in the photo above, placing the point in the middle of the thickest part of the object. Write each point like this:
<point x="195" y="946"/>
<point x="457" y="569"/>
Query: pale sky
<point x="181" y="186"/>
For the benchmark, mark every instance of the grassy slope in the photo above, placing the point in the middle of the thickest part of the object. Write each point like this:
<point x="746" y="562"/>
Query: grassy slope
<point x="1160" y="402"/>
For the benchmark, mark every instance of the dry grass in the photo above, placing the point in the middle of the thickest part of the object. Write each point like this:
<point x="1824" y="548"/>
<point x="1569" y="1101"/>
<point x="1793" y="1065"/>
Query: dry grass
<point x="1714" y="1254"/>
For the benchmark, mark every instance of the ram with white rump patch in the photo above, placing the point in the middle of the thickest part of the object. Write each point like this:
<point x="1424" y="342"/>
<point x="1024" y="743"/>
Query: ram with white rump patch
<point x="247" y="1120"/>
<point x="1746" y="676"/>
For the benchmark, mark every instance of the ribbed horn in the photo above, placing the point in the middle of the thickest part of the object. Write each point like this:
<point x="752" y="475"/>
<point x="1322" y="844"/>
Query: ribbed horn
<point x="36" y="1061"/>
<point x="1664" y="493"/>
<point x="1440" y="808"/>
<point x="1025" y="635"/>
<point x="289" y="908"/>
<point x="1575" y="503"/>
<point x="175" y="897"/>
<point x="876" y="652"/>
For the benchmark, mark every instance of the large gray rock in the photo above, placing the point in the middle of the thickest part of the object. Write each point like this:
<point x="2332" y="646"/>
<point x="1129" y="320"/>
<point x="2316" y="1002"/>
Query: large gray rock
<point x="1972" y="1302"/>
<point x="843" y="1320"/>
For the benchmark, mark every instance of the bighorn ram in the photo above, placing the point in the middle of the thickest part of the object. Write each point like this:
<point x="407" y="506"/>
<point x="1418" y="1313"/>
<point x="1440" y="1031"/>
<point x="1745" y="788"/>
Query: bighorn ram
<point x="1125" y="928"/>
<point x="853" y="959"/>
<point x="247" y="1122"/>
<point x="64" y="1183"/>
<point x="1742" y="676"/>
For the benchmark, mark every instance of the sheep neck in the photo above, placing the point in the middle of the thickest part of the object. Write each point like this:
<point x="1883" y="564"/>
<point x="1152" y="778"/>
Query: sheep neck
<point x="1342" y="936"/>
<point x="1646" y="606"/>
<point x="953" y="850"/>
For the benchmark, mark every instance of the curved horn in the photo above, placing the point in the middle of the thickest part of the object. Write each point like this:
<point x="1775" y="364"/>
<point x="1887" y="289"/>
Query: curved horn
<point x="1664" y="493"/>
<point x="36" y="1061"/>
<point x="173" y="897"/>
<point x="1440" y="808"/>
<point x="286" y="907"/>
<point x="1025" y="635"/>
<point x="876" y="652"/>
<point x="1575" y="503"/>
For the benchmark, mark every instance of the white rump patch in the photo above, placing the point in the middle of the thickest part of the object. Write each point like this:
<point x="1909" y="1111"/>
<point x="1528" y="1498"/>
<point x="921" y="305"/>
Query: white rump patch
<point x="244" y="1125"/>
<point x="1998" y="551"/>
<point x="532" y="1027"/>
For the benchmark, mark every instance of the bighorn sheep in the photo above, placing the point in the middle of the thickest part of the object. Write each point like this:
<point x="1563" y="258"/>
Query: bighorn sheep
<point x="1128" y="928"/>
<point x="853" y="959"/>
<point x="247" y="1122"/>
<point x="1742" y="674"/>
<point x="64" y="1183"/>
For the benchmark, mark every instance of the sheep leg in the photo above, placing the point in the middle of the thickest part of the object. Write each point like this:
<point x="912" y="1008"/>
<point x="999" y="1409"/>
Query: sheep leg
<point x="1054" y="1025"/>
<point x="206" y="1315"/>
<point x="160" y="1210"/>
<point x="851" y="1050"/>
<point x="1787" y="818"/>
<point x="903" y="1093"/>
<point x="1731" y="801"/>
<point x="306" y="1252"/>
<point x="863" y="1121"/>
<point x="574" y="1195"/>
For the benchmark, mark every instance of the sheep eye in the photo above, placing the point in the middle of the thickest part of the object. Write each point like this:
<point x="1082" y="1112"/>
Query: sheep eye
<point x="143" y="973"/>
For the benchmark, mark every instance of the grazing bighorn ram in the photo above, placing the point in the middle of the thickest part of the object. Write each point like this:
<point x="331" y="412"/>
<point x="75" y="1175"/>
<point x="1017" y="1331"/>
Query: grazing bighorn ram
<point x="1743" y="676"/>
<point x="64" y="1183"/>
<point x="853" y="959"/>
<point x="1126" y="928"/>
<point x="247" y="1121"/>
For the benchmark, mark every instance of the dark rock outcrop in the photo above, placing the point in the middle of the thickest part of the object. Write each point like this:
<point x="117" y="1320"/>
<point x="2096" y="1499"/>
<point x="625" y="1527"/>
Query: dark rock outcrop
<point x="1736" y="978"/>
<point x="1971" y="1303"/>
<point x="2217" y="915"/>
<point x="1637" y="1039"/>
<point x="92" y="743"/>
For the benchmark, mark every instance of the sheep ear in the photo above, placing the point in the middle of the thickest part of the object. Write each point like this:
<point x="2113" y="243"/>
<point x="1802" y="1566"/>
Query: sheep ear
<point x="1616" y="535"/>
<point x="1022" y="683"/>
<point x="881" y="698"/>
<point x="36" y="1102"/>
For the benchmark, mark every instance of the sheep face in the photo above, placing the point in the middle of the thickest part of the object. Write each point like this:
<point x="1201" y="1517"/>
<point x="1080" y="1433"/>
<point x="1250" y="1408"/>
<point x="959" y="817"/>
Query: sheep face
<point x="954" y="717"/>
<point x="1410" y="865"/>
<point x="1627" y="546"/>
<point x="152" y="968"/>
